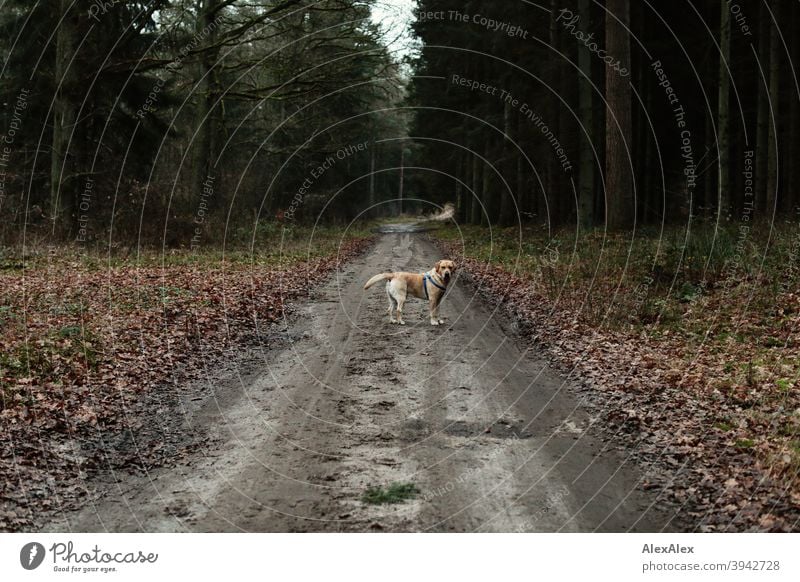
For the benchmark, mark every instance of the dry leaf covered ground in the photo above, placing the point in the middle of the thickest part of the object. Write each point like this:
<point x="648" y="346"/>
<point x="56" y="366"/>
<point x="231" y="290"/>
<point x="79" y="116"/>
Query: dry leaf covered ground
<point x="86" y="337"/>
<point x="686" y="346"/>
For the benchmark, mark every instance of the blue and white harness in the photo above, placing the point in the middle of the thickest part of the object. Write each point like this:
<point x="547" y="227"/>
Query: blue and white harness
<point x="425" y="278"/>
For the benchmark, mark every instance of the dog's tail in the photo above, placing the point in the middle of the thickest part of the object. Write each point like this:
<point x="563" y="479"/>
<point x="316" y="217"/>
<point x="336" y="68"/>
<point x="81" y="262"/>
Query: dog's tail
<point x="376" y="278"/>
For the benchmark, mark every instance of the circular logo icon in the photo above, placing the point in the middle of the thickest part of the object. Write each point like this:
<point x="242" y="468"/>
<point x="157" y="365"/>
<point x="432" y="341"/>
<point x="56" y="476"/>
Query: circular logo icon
<point x="31" y="555"/>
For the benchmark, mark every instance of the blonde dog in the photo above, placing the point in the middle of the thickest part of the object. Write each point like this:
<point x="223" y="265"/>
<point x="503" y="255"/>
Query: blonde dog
<point x="431" y="286"/>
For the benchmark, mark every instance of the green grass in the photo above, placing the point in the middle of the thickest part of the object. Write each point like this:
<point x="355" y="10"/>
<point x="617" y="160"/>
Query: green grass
<point x="395" y="493"/>
<point x="66" y="308"/>
<point x="653" y="277"/>
<point x="70" y="331"/>
<point x="272" y="245"/>
<point x="37" y="358"/>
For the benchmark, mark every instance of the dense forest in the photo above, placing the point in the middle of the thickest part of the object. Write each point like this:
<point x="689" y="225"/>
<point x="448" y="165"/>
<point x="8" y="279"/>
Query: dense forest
<point x="145" y="119"/>
<point x="142" y="119"/>
<point x="609" y="113"/>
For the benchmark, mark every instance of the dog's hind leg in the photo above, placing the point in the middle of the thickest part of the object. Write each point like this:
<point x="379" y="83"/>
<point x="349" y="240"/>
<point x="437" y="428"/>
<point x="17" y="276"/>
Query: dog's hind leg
<point x="400" y="302"/>
<point x="392" y="303"/>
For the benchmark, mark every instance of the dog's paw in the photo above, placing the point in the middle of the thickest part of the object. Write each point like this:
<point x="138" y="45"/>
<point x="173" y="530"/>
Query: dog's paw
<point x="401" y="322"/>
<point x="434" y="322"/>
<point x="441" y="322"/>
<point x="393" y="320"/>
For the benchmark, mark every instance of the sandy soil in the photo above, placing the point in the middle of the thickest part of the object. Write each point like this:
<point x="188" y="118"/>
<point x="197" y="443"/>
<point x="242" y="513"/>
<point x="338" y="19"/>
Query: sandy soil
<point x="343" y="400"/>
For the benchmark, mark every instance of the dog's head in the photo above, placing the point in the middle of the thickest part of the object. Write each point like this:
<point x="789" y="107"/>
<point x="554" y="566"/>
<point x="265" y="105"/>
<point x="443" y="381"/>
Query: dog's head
<point x="445" y="269"/>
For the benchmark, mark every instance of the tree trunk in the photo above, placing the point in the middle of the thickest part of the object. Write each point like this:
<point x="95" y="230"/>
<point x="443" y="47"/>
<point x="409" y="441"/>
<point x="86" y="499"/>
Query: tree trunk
<point x="775" y="98"/>
<point x="507" y="165"/>
<point x="552" y="195"/>
<point x="762" y="128"/>
<point x="372" y="200"/>
<point x="459" y="174"/>
<point x="793" y="168"/>
<point x="62" y="198"/>
<point x="723" y="107"/>
<point x="709" y="187"/>
<point x="652" y="209"/>
<point x="586" y="175"/>
<point x="208" y="121"/>
<point x="475" y="206"/>
<point x="567" y="205"/>
<point x="523" y="192"/>
<point x="486" y="185"/>
<point x="402" y="175"/>
<point x="620" y="209"/>
<point x="710" y="158"/>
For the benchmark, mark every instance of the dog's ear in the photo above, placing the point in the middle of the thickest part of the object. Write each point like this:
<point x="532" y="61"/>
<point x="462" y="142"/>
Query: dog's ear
<point x="437" y="265"/>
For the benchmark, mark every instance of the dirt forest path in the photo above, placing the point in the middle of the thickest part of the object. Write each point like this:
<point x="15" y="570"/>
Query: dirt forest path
<point x="490" y="435"/>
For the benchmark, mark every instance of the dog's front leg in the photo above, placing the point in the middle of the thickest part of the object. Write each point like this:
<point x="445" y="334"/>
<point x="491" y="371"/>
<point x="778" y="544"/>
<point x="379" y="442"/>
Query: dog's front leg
<point x="432" y="310"/>
<point x="435" y="312"/>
